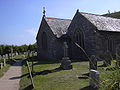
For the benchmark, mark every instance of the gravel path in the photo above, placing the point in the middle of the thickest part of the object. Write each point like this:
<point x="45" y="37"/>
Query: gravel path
<point x="10" y="80"/>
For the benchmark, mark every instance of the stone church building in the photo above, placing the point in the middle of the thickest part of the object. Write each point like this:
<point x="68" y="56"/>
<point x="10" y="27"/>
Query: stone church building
<point x="96" y="35"/>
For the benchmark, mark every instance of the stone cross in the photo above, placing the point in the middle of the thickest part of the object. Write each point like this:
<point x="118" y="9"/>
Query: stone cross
<point x="94" y="79"/>
<point x="93" y="62"/>
<point x="107" y="58"/>
<point x="65" y="49"/>
<point x="66" y="62"/>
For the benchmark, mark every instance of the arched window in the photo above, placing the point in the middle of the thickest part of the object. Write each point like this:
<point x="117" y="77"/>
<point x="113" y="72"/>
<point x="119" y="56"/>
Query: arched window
<point x="79" y="37"/>
<point x="44" y="41"/>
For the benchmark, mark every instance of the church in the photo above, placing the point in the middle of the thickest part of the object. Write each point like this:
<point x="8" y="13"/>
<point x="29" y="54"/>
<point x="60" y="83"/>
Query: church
<point x="86" y="32"/>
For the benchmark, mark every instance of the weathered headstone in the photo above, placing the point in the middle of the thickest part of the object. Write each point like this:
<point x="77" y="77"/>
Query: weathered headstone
<point x="4" y="62"/>
<point x="94" y="79"/>
<point x="35" y="53"/>
<point x="6" y="55"/>
<point x="1" y="65"/>
<point x="118" y="56"/>
<point x="93" y="62"/>
<point x="32" y="53"/>
<point x="11" y="53"/>
<point x="3" y="56"/>
<point x="16" y="53"/>
<point x="0" y="57"/>
<point x="25" y="53"/>
<point x="66" y="62"/>
<point x="107" y="58"/>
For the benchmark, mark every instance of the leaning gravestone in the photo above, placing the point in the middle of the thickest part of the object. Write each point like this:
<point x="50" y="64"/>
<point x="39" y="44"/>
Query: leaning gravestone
<point x="94" y="79"/>
<point x="107" y="58"/>
<point x="93" y="62"/>
<point x="118" y="56"/>
<point x="66" y="62"/>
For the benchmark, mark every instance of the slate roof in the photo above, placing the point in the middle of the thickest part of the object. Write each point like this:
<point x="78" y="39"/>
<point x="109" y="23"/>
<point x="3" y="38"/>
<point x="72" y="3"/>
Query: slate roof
<point x="103" y="23"/>
<point x="58" y="26"/>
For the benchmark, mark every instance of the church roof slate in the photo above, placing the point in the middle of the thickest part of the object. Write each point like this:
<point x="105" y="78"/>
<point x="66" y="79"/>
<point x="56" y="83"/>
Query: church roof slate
<point x="58" y="26"/>
<point x="103" y="23"/>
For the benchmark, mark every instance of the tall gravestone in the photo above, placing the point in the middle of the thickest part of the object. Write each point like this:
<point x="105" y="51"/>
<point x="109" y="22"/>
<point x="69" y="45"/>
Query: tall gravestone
<point x="94" y="79"/>
<point x="11" y="53"/>
<point x="118" y="56"/>
<point x="107" y="58"/>
<point x="66" y="62"/>
<point x="4" y="62"/>
<point x="1" y="65"/>
<point x="93" y="62"/>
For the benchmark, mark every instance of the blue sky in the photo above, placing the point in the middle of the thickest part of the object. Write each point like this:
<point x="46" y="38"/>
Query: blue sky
<point x="20" y="19"/>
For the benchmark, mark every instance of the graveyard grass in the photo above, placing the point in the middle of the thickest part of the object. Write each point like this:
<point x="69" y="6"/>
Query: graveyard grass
<point x="58" y="80"/>
<point x="4" y="69"/>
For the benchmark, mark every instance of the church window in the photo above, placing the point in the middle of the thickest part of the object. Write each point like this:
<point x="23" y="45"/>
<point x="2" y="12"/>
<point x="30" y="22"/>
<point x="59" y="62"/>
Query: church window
<point x="79" y="37"/>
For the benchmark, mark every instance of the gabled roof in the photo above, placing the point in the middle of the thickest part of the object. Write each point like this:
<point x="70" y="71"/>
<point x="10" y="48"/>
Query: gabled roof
<point x="103" y="23"/>
<point x="58" y="26"/>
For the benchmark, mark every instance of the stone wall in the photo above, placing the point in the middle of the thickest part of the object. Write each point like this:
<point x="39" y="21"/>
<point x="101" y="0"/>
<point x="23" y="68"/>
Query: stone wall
<point x="54" y="45"/>
<point x="89" y="31"/>
<point x="102" y="44"/>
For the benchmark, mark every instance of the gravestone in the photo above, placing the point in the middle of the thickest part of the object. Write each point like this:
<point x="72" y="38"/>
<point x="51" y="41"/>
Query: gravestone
<point x="0" y="57"/>
<point x="93" y="62"/>
<point x="66" y="62"/>
<point x="16" y="53"/>
<point x="94" y="79"/>
<point x="107" y="58"/>
<point x="11" y="53"/>
<point x="1" y="65"/>
<point x="3" y="56"/>
<point x="35" y="53"/>
<point x="118" y="56"/>
<point x="32" y="53"/>
<point x="4" y="62"/>
<point x="6" y="55"/>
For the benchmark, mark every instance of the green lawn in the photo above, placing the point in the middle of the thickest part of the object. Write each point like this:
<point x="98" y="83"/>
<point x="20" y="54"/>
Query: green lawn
<point x="4" y="69"/>
<point x="58" y="79"/>
<point x="9" y="63"/>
